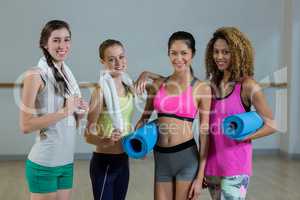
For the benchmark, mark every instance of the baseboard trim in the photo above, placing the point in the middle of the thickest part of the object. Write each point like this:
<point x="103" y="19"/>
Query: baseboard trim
<point x="294" y="156"/>
<point x="78" y="156"/>
<point x="12" y="157"/>
<point x="265" y="152"/>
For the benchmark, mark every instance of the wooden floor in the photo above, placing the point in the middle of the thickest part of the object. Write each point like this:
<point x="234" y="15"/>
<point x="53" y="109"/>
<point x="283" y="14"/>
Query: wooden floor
<point x="274" y="179"/>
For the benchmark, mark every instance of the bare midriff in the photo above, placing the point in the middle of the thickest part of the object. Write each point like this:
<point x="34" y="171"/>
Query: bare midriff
<point x="173" y="131"/>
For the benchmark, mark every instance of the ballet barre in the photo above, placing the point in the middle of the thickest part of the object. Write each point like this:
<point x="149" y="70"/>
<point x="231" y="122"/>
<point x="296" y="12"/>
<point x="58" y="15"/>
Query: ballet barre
<point x="3" y="85"/>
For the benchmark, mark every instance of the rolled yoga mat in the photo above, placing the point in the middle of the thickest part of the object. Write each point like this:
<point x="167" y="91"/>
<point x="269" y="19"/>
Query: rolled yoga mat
<point x="240" y="126"/>
<point x="140" y="142"/>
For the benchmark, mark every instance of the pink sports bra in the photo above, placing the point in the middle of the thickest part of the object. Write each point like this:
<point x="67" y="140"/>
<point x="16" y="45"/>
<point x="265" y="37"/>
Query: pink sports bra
<point x="180" y="106"/>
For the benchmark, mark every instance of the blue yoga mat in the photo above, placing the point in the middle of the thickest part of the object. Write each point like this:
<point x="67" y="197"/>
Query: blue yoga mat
<point x="240" y="126"/>
<point x="140" y="142"/>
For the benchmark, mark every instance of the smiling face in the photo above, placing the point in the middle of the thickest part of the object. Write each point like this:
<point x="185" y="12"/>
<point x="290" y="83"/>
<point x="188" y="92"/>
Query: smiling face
<point x="221" y="54"/>
<point x="180" y="56"/>
<point x="58" y="44"/>
<point x="115" y="60"/>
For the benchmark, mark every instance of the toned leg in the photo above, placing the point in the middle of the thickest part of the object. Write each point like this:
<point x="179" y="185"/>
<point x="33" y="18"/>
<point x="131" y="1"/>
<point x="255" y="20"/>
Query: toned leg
<point x="43" y="196"/>
<point x="64" y="194"/>
<point x="164" y="191"/>
<point x="182" y="190"/>
<point x="214" y="187"/>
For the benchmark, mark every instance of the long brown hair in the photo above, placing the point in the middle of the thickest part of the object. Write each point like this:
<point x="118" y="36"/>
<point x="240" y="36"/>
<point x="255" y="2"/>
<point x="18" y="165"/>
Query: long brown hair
<point x="242" y="55"/>
<point x="61" y="86"/>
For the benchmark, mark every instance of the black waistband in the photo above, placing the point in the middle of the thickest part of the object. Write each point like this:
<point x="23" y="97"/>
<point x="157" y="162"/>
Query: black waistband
<point x="109" y="158"/>
<point x="175" y="116"/>
<point x="176" y="148"/>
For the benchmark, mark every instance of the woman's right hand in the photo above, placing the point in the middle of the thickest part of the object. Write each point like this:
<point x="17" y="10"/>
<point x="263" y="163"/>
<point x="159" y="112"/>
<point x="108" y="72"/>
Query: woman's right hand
<point x="72" y="103"/>
<point x="204" y="183"/>
<point x="139" y="124"/>
<point x="141" y="82"/>
<point x="116" y="135"/>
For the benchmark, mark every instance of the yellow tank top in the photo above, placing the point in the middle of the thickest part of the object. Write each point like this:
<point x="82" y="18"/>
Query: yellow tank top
<point x="104" y="121"/>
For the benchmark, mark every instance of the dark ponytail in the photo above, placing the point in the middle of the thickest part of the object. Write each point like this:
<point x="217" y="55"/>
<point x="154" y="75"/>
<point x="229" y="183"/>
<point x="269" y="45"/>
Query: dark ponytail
<point x="191" y="70"/>
<point x="61" y="86"/>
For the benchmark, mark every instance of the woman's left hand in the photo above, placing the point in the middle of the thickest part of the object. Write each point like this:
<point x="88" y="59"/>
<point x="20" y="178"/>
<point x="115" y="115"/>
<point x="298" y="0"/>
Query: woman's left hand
<point x="83" y="108"/>
<point x="195" y="189"/>
<point x="139" y="124"/>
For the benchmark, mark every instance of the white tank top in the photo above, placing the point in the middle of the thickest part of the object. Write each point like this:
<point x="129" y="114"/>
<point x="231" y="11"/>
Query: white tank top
<point x="55" y="146"/>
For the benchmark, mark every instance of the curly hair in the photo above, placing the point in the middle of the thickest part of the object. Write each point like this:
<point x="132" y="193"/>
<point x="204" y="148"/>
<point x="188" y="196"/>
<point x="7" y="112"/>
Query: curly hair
<point x="242" y="55"/>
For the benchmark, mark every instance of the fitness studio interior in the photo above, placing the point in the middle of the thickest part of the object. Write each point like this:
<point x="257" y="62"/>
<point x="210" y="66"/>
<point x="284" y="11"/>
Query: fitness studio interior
<point x="144" y="28"/>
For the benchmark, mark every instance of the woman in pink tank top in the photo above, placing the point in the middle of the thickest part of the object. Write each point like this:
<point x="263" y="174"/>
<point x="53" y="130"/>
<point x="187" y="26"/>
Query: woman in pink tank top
<point x="229" y="66"/>
<point x="179" y="165"/>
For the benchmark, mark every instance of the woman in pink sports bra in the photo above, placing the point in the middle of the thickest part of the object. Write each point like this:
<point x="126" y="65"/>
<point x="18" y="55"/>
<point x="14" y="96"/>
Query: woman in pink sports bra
<point x="229" y="63"/>
<point x="179" y="166"/>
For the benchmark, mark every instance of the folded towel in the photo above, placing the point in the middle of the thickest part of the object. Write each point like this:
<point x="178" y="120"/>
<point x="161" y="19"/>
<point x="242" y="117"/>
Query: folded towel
<point x="112" y="100"/>
<point x="71" y="81"/>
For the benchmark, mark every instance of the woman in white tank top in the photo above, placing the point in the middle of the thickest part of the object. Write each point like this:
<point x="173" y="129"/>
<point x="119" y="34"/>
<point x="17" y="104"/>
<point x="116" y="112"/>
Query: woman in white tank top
<point x="50" y="106"/>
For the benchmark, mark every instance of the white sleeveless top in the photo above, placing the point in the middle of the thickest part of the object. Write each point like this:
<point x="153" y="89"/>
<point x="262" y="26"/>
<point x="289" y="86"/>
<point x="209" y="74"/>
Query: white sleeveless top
<point x="55" y="146"/>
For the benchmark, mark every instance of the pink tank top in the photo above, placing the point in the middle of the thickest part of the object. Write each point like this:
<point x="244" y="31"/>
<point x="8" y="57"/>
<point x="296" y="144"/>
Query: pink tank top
<point x="227" y="157"/>
<point x="179" y="106"/>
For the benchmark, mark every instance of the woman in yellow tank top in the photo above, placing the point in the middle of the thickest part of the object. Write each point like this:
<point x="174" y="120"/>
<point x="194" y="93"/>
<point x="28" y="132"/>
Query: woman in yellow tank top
<point x="109" y="167"/>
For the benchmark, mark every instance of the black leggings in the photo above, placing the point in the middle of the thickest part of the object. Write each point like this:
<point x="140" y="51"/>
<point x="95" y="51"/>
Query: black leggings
<point x="109" y="176"/>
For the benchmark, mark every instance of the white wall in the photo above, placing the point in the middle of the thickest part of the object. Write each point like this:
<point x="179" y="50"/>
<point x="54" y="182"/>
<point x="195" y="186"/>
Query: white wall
<point x="290" y="46"/>
<point x="294" y="147"/>
<point x="285" y="60"/>
<point x="144" y="27"/>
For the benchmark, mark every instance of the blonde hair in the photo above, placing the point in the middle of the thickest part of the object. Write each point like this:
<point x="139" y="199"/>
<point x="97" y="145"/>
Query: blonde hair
<point x="106" y="44"/>
<point x="242" y="55"/>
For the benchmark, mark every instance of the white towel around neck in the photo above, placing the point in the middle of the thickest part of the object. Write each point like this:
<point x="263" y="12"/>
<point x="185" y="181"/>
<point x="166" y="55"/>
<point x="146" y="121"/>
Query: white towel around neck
<point x="111" y="97"/>
<point x="71" y="81"/>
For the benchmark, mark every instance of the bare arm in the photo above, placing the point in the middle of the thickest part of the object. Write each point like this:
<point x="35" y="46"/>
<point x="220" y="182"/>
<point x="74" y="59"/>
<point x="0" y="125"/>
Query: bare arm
<point x="142" y="81"/>
<point x="91" y="131"/>
<point x="204" y="92"/>
<point x="28" y="121"/>
<point x="255" y="95"/>
<point x="148" y="109"/>
<point x="203" y="95"/>
<point x="96" y="105"/>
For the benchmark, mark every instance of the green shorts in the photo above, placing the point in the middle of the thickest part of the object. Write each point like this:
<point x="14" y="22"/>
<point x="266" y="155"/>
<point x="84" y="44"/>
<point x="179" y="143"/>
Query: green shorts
<point x="43" y="179"/>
